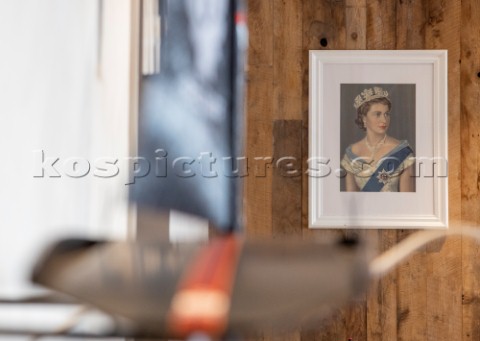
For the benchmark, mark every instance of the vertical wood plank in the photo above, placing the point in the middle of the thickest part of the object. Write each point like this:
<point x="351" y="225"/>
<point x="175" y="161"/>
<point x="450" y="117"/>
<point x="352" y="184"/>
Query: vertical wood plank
<point x="259" y="109"/>
<point x="382" y="298"/>
<point x="411" y="19"/>
<point x="412" y="296"/>
<point x="260" y="24"/>
<point x="287" y="68"/>
<point x="287" y="106"/>
<point x="470" y="151"/>
<point x="259" y="128"/>
<point x="287" y="178"/>
<point x="287" y="112"/>
<point x="382" y="295"/>
<point x="323" y="22"/>
<point x="444" y="283"/>
<point x="381" y="24"/>
<point x="356" y="25"/>
<point x="323" y="29"/>
<point x="412" y="274"/>
<point x="356" y="38"/>
<point x="335" y="25"/>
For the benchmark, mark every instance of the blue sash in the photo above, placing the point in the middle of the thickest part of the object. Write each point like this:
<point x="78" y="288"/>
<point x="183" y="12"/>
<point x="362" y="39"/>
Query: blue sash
<point x="389" y="165"/>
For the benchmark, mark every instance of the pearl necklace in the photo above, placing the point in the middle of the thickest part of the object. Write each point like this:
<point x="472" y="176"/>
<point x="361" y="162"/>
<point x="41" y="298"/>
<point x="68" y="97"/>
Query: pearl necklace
<point x="373" y="149"/>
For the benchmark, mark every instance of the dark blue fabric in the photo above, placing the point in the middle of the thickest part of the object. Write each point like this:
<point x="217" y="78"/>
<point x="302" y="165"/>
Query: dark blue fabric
<point x="190" y="115"/>
<point x="389" y="164"/>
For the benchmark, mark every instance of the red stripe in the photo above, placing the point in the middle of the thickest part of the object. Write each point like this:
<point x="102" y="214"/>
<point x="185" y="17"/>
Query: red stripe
<point x="205" y="290"/>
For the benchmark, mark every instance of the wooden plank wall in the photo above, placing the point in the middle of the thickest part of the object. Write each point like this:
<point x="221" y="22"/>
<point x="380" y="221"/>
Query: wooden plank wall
<point x="435" y="295"/>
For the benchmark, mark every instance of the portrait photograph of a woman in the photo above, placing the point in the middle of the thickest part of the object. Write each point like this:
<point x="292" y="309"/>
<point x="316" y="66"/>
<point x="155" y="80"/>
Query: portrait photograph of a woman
<point x="378" y="137"/>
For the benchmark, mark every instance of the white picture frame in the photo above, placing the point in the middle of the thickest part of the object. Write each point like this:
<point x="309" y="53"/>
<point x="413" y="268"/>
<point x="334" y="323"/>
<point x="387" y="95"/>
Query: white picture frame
<point x="417" y="81"/>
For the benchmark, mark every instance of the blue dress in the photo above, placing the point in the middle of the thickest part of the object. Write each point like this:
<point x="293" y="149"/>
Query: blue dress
<point x="381" y="176"/>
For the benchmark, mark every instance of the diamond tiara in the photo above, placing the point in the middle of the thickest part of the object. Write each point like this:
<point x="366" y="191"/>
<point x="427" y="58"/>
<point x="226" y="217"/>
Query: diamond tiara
<point x="368" y="95"/>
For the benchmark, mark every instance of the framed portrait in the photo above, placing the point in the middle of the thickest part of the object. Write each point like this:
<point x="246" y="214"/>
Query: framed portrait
<point x="378" y="144"/>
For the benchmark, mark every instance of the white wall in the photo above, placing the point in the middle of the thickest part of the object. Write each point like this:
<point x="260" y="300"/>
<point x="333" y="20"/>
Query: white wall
<point x="56" y="97"/>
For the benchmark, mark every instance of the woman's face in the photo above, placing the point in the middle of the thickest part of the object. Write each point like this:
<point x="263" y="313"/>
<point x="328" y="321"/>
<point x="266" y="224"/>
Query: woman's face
<point x="377" y="119"/>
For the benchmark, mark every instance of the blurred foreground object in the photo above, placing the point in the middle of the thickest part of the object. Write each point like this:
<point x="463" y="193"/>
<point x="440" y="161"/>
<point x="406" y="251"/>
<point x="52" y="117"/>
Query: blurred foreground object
<point x="275" y="285"/>
<point x="190" y="125"/>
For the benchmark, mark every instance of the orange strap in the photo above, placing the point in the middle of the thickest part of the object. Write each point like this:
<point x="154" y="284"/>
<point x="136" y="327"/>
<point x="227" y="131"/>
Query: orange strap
<point x="202" y="300"/>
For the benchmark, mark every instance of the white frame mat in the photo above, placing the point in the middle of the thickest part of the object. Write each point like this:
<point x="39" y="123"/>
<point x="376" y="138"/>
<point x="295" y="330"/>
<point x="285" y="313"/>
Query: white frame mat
<point x="329" y="206"/>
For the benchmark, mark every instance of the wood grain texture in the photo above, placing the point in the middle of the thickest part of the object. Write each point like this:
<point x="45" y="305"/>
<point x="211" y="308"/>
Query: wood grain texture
<point x="411" y="285"/>
<point x="382" y="305"/>
<point x="382" y="296"/>
<point x="470" y="163"/>
<point x="323" y="29"/>
<point x="286" y="188"/>
<point x="421" y="299"/>
<point x="355" y="38"/>
<point x="259" y="108"/>
<point x="444" y="264"/>
<point x="323" y="22"/>
<point x="381" y="24"/>
<point x="334" y="25"/>
<point x="260" y="21"/>
<point x="287" y="68"/>
<point x="287" y="178"/>
<point x="356" y="25"/>
<point x="259" y="121"/>
<point x="411" y="19"/>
